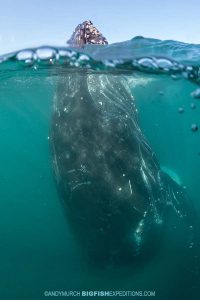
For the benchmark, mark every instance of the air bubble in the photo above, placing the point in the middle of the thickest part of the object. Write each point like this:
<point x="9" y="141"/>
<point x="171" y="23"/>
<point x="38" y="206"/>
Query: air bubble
<point x="175" y="77"/>
<point x="189" y="68"/>
<point x="194" y="127"/>
<point x="65" y="56"/>
<point x="181" y="110"/>
<point x="193" y="106"/>
<point x="66" y="53"/>
<point x="46" y="54"/>
<point x="84" y="57"/>
<point x="147" y="63"/>
<point x="196" y="94"/>
<point x="164" y="64"/>
<point x="25" y="56"/>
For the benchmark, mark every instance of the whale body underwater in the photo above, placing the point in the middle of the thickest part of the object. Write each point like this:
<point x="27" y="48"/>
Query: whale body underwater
<point x="115" y="194"/>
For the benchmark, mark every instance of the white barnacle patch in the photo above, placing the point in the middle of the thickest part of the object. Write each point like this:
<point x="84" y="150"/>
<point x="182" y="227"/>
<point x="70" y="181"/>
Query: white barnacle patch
<point x="140" y="226"/>
<point x="138" y="232"/>
<point x="129" y="182"/>
<point x="120" y="189"/>
<point x="83" y="168"/>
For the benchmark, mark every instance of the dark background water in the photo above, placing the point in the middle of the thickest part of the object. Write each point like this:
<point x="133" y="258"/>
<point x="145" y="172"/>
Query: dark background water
<point x="37" y="250"/>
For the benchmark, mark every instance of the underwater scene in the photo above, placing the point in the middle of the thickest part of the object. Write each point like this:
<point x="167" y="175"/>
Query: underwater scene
<point x="99" y="176"/>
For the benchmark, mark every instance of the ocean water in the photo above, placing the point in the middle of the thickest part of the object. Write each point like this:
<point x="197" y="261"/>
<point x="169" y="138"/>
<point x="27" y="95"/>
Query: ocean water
<point x="38" y="251"/>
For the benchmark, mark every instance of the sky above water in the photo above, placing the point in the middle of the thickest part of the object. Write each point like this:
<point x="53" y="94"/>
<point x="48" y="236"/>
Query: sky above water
<point x="28" y="23"/>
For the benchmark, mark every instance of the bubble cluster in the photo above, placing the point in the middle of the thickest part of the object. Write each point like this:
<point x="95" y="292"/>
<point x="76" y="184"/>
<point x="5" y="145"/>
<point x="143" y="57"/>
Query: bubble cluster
<point x="52" y="56"/>
<point x="159" y="64"/>
<point x="74" y="58"/>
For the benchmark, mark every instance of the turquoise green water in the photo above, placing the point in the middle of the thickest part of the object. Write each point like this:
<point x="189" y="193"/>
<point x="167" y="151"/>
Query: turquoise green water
<point x="38" y="252"/>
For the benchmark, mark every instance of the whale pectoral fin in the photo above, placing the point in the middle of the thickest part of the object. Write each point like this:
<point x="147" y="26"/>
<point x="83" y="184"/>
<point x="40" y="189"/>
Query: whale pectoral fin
<point x="177" y="197"/>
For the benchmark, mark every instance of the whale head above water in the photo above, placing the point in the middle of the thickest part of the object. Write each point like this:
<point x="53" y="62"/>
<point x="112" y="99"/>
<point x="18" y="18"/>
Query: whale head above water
<point x="86" y="33"/>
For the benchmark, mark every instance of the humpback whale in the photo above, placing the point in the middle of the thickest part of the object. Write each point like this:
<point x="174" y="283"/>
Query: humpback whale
<point x="115" y="194"/>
